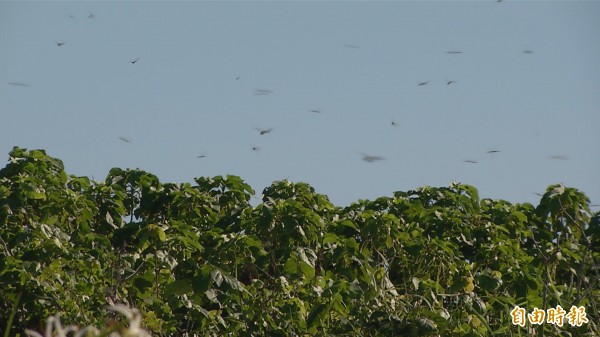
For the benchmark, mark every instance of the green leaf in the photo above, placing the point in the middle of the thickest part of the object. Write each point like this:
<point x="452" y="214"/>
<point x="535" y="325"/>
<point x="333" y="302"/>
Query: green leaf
<point x="211" y="295"/>
<point x="37" y="195"/>
<point x="142" y="284"/>
<point x="488" y="282"/>
<point x="37" y="154"/>
<point x="202" y="280"/>
<point x="158" y="232"/>
<point x="330" y="238"/>
<point x="306" y="269"/>
<point x="179" y="287"/>
<point x="217" y="277"/>
<point x="317" y="315"/>
<point x="426" y="326"/>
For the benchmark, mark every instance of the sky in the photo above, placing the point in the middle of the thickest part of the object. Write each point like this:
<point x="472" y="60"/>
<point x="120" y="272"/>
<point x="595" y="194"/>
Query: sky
<point x="156" y="85"/>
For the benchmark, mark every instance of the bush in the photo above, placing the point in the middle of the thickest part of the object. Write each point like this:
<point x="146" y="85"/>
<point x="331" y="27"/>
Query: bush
<point x="200" y="260"/>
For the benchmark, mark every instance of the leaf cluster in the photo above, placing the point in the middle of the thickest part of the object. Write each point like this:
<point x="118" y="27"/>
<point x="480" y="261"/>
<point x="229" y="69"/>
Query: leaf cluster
<point x="200" y="260"/>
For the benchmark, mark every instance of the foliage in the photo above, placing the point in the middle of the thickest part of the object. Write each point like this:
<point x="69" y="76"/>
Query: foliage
<point x="201" y="260"/>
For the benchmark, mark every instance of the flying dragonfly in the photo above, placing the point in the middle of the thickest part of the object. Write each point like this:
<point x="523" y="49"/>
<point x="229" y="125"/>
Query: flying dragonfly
<point x="423" y="83"/>
<point x="370" y="159"/>
<point x="493" y="151"/>
<point x="450" y="82"/>
<point x="527" y="51"/>
<point x="125" y="139"/>
<point x="134" y="61"/>
<point x="201" y="156"/>
<point x="263" y="131"/>
<point x="255" y="148"/>
<point x="393" y="123"/>
<point x="316" y="111"/>
<point x="470" y="161"/>
<point x="262" y="92"/>
<point x="59" y="44"/>
<point x="19" y="84"/>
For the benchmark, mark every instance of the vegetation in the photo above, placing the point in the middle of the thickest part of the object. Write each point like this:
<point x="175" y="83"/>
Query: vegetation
<point x="130" y="329"/>
<point x="200" y="260"/>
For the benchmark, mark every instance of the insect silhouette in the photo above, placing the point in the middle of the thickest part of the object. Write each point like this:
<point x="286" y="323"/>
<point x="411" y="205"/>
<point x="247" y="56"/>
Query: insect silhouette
<point x="423" y="83"/>
<point x="316" y="111"/>
<point x="201" y="156"/>
<point x="527" y="51"/>
<point x="351" y="46"/>
<point x="262" y="92"/>
<point x="493" y="151"/>
<point x="134" y="61"/>
<point x="393" y="123"/>
<point x="255" y="148"/>
<point x="91" y="16"/>
<point x="454" y="52"/>
<point x="263" y="131"/>
<point x="59" y="44"/>
<point x="125" y="139"/>
<point x="371" y="159"/>
<point x="450" y="82"/>
<point x="470" y="161"/>
<point x="19" y="84"/>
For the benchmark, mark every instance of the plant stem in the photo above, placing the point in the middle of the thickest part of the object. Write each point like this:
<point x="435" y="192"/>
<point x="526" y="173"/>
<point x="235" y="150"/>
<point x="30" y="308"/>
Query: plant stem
<point x="13" y="312"/>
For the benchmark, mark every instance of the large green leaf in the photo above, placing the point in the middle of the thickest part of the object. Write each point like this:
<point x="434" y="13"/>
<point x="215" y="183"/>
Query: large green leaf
<point x="179" y="287"/>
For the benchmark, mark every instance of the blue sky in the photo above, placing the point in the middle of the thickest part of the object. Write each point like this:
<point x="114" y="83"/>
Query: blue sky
<point x="193" y="92"/>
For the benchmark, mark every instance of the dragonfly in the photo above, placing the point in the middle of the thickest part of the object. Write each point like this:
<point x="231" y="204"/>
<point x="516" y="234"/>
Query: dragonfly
<point x="263" y="131"/>
<point x="19" y="84"/>
<point x="370" y="158"/>
<point x="262" y="92"/>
